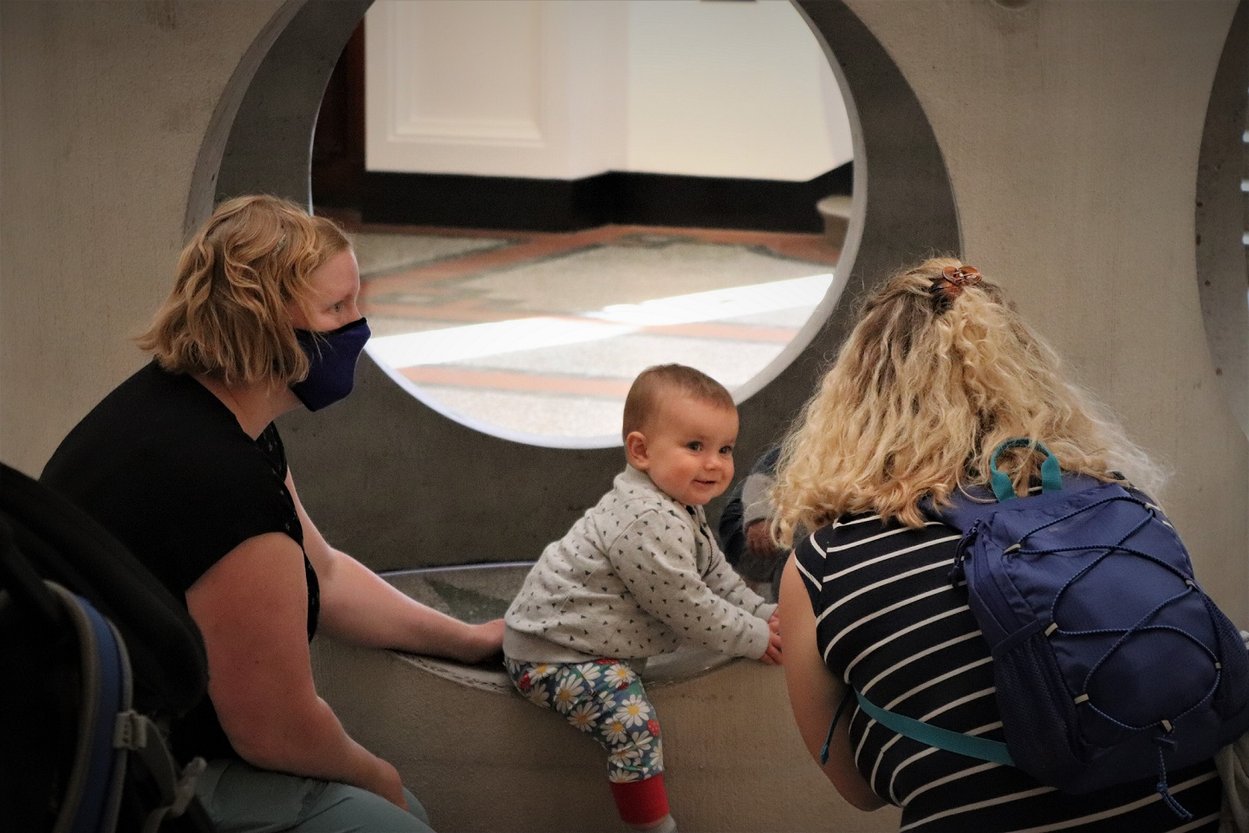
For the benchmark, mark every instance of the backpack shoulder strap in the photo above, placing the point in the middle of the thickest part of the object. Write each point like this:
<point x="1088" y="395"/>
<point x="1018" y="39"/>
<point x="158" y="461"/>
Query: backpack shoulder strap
<point x="92" y="797"/>
<point x="963" y="744"/>
<point x="1051" y="475"/>
<point x="967" y="506"/>
<point x="983" y="749"/>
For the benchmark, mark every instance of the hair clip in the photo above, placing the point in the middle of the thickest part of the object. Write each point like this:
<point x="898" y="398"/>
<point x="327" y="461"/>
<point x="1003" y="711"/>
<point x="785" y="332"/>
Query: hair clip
<point x="952" y="279"/>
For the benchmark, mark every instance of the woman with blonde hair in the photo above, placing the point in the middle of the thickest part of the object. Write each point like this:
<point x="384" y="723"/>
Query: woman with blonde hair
<point x="183" y="463"/>
<point x="937" y="372"/>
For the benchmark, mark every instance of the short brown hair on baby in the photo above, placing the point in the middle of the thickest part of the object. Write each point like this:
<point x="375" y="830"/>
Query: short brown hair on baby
<point x="649" y="388"/>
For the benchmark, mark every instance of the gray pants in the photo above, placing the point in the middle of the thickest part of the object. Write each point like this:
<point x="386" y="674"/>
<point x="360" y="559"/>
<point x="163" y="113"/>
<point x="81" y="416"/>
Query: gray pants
<point x="242" y="799"/>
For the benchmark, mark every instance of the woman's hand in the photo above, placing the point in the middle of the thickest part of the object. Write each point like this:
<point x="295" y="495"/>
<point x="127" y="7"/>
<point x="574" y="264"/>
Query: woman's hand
<point x="388" y="784"/>
<point x="361" y="608"/>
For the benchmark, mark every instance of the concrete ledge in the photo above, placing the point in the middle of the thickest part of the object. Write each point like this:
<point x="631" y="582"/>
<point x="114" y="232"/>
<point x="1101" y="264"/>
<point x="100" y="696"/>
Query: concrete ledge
<point x="483" y="759"/>
<point x="480" y="592"/>
<point x="666" y="670"/>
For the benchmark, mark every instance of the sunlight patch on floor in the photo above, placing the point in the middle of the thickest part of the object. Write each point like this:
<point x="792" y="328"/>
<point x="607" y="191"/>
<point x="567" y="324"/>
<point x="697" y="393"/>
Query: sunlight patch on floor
<point x="458" y="344"/>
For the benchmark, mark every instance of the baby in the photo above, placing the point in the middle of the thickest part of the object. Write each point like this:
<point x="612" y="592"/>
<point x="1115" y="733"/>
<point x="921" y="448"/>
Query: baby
<point x="637" y="575"/>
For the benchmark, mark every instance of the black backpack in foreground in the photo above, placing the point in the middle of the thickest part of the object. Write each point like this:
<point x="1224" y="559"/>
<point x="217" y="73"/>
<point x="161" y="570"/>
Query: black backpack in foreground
<point x="99" y="657"/>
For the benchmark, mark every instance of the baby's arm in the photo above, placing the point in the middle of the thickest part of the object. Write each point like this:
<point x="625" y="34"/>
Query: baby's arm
<point x="655" y="559"/>
<point x="772" y="656"/>
<point x="728" y="584"/>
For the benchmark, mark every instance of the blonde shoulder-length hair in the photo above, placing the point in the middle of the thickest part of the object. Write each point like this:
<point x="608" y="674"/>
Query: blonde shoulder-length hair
<point x="228" y="315"/>
<point x="932" y="378"/>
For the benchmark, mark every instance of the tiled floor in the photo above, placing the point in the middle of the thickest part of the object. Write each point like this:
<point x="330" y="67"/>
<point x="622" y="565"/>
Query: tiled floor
<point x="537" y="336"/>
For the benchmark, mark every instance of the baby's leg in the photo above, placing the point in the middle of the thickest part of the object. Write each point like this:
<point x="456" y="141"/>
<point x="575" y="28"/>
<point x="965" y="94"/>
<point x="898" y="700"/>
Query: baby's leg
<point x="605" y="699"/>
<point x="617" y="711"/>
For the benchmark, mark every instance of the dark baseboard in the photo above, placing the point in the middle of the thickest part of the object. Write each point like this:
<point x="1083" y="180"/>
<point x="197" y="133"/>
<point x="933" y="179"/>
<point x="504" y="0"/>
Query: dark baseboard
<point x="613" y="198"/>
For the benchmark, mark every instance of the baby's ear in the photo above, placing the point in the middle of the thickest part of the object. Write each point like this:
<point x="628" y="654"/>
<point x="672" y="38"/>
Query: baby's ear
<point x="635" y="450"/>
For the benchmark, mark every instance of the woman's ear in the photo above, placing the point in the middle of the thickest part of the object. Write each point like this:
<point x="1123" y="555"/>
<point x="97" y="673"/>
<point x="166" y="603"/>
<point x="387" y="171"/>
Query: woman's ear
<point x="635" y="450"/>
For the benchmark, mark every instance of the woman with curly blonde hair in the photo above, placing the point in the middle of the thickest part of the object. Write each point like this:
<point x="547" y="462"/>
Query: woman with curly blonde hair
<point x="183" y="463"/>
<point x="937" y="372"/>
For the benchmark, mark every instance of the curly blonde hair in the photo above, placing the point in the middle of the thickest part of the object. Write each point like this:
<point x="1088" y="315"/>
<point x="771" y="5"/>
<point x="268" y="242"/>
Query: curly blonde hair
<point x="228" y="315"/>
<point x="932" y="378"/>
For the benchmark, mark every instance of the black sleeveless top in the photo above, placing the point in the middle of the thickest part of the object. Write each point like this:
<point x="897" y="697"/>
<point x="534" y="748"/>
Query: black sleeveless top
<point x="165" y="467"/>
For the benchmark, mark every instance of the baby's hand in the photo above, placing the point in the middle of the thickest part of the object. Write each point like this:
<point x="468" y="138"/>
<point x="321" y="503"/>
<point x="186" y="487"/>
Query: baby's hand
<point x="772" y="656"/>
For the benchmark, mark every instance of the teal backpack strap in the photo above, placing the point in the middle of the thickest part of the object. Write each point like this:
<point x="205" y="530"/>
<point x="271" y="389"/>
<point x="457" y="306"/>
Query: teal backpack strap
<point x="969" y="745"/>
<point x="1051" y="474"/>
<point x="828" y="739"/>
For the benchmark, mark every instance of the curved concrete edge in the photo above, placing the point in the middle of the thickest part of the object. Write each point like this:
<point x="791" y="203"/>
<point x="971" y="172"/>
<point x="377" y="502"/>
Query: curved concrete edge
<point x="269" y="149"/>
<point x="1222" y="217"/>
<point x="734" y="760"/>
<point x="236" y="92"/>
<point x="666" y="670"/>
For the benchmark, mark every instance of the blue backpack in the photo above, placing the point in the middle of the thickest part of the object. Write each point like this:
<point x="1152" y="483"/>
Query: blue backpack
<point x="1110" y="663"/>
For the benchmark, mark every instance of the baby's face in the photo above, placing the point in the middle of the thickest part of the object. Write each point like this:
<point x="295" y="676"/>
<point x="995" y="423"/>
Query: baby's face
<point x="689" y="449"/>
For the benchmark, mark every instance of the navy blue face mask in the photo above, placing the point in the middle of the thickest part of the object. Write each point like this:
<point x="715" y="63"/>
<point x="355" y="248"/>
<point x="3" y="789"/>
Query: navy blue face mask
<point x="332" y="363"/>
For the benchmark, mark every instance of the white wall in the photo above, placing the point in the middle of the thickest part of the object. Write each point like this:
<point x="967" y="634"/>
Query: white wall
<point x="565" y="89"/>
<point x="731" y="89"/>
<point x="495" y="87"/>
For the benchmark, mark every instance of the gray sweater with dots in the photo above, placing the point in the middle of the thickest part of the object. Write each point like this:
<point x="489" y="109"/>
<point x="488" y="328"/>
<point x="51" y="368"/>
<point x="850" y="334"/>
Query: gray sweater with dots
<point x="637" y="575"/>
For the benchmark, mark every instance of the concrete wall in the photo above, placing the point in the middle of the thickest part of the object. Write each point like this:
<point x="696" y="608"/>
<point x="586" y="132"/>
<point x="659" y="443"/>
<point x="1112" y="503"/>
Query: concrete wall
<point x="1056" y="143"/>
<point x="493" y="763"/>
<point x="1072" y="133"/>
<point x="107" y="111"/>
<point x="1223" y="219"/>
<point x="1071" y="180"/>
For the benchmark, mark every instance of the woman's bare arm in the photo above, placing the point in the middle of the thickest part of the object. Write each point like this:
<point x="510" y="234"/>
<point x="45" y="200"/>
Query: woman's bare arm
<point x="251" y="607"/>
<point x="360" y="607"/>
<point x="814" y="693"/>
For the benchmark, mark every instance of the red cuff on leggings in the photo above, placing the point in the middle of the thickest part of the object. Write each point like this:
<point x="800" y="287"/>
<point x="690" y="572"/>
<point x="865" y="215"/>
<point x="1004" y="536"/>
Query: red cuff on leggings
<point x="641" y="802"/>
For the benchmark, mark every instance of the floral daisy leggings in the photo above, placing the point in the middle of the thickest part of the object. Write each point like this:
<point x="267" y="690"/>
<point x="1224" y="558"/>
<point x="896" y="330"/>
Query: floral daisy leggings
<point x="603" y="697"/>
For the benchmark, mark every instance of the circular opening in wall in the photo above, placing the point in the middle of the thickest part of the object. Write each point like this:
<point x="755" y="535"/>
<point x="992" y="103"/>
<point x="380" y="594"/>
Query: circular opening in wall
<point x="557" y="196"/>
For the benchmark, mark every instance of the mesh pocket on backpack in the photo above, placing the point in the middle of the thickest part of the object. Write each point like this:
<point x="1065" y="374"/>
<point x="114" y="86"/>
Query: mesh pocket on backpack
<point x="1037" y="726"/>
<point x="1231" y="699"/>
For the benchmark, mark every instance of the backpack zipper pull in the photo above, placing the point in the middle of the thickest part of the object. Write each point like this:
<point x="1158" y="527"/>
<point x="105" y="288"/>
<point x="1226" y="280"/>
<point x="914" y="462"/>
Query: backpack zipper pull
<point x="1162" y="787"/>
<point x="958" y="572"/>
